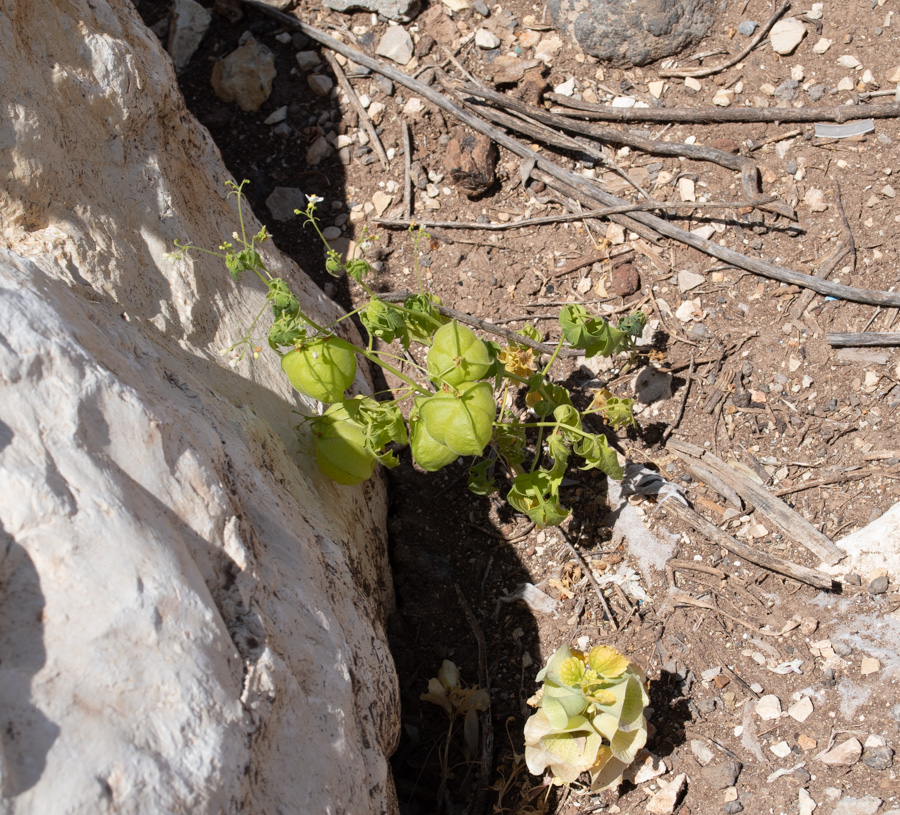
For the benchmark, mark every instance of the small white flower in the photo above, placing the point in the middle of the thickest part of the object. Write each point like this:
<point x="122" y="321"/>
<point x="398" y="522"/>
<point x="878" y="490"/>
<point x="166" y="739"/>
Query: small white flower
<point x="232" y="363"/>
<point x="314" y="199"/>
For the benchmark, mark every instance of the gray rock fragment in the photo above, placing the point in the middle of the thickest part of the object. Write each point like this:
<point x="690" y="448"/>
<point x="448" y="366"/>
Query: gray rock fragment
<point x="867" y="805"/>
<point x="721" y="776"/>
<point x="633" y="33"/>
<point x="748" y="27"/>
<point x="283" y="201"/>
<point x="400" y="10"/>
<point x="245" y="76"/>
<point x="878" y="758"/>
<point x="190" y="22"/>
<point x="396" y="45"/>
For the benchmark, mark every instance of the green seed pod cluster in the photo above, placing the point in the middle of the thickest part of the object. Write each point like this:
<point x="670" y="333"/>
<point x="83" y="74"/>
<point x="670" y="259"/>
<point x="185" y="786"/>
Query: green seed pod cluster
<point x="451" y="424"/>
<point x="457" y="355"/>
<point x="340" y="447"/>
<point x="590" y="717"/>
<point x="320" y="369"/>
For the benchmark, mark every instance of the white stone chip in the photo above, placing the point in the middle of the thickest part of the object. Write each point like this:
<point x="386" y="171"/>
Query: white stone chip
<point x="848" y="61"/>
<point x="802" y="710"/>
<point x="822" y="45"/>
<point x="768" y="708"/>
<point x="396" y="44"/>
<point x="786" y="35"/>
<point x="486" y="39"/>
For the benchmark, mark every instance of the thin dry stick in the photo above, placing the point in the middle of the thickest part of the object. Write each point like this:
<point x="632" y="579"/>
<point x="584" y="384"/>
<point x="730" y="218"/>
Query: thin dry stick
<point x="837" y="478"/>
<point x="603" y="212"/>
<point x="578" y="109"/>
<point x="584" y="186"/>
<point x="684" y="397"/>
<point x="701" y="72"/>
<point x="357" y="106"/>
<point x="487" y="731"/>
<point x="838" y="199"/>
<point x="590" y="574"/>
<point x="686" y="600"/>
<point x="827" y="267"/>
<point x="742" y="550"/>
<point x="407" y="171"/>
<point x="744" y="166"/>
<point x="863" y="339"/>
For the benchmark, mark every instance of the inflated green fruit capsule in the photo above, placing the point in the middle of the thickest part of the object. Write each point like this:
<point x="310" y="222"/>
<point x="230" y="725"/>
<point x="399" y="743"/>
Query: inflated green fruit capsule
<point x="462" y="421"/>
<point x="320" y="369"/>
<point x="340" y="447"/>
<point x="429" y="454"/>
<point x="457" y="355"/>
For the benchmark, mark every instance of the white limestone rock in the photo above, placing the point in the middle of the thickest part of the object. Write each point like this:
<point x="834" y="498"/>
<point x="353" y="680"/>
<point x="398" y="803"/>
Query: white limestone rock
<point x="190" y="22"/>
<point x="245" y="76"/>
<point x="191" y="617"/>
<point x="786" y="35"/>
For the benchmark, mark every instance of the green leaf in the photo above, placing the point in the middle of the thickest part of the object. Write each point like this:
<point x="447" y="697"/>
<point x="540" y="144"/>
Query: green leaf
<point x="633" y="324"/>
<point x="607" y="661"/>
<point x="422" y="318"/>
<point x="529" y="331"/>
<point x="239" y="262"/>
<point x="480" y="480"/>
<point x="535" y="495"/>
<point x="607" y="771"/>
<point x="357" y="268"/>
<point x="571" y="671"/>
<point x="457" y="355"/>
<point x="561" y="703"/>
<point x="593" y="334"/>
<point x="321" y="369"/>
<point x="624" y="745"/>
<point x="382" y="423"/>
<point x="510" y="440"/>
<point x="384" y="321"/>
<point x="597" y="454"/>
<point x="551" y="672"/>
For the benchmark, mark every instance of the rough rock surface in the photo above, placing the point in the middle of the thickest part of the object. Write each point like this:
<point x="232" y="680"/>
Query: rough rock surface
<point x="400" y="10"/>
<point x="245" y="76"/>
<point x="189" y="24"/>
<point x="633" y="32"/>
<point x="191" y="617"/>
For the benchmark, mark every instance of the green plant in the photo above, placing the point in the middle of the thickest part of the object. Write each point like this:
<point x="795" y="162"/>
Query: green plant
<point x="461" y="402"/>
<point x="590" y="717"/>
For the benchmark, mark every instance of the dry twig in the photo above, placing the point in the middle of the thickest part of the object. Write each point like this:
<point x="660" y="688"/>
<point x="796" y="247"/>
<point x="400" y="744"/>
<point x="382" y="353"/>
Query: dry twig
<point x="586" y="188"/>
<point x="357" y="106"/>
<point x="761" y="34"/>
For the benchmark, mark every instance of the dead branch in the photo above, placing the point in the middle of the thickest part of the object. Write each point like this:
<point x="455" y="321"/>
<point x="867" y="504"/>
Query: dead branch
<point x="851" y="474"/>
<point x="863" y="339"/>
<point x="761" y="34"/>
<point x="579" y="109"/>
<point x="357" y="106"/>
<point x="744" y="166"/>
<point x="774" y="564"/>
<point x="791" y="523"/>
<point x="587" y="188"/>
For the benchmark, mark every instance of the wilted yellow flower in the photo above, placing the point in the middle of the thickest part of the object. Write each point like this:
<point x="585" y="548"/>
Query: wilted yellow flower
<point x="518" y="361"/>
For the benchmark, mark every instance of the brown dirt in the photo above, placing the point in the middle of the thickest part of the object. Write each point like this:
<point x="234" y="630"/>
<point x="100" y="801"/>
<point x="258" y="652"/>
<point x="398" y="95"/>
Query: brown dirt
<point x="792" y="406"/>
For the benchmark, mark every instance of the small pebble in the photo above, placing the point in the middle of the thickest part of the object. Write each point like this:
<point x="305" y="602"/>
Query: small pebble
<point x="733" y="807"/>
<point x="894" y="712"/>
<point x="879" y="585"/>
<point x="878" y="758"/>
<point x="747" y="27"/>
<point x="853" y="580"/>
